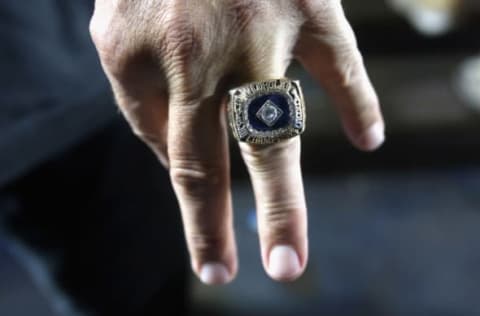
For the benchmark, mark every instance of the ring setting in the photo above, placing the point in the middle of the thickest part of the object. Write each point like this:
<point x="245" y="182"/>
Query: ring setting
<point x="267" y="112"/>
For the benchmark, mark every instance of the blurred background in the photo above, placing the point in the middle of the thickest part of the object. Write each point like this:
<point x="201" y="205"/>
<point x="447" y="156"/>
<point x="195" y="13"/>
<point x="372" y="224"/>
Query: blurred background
<point x="395" y="232"/>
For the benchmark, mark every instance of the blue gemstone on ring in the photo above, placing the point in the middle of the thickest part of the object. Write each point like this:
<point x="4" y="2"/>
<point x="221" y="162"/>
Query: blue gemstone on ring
<point x="269" y="112"/>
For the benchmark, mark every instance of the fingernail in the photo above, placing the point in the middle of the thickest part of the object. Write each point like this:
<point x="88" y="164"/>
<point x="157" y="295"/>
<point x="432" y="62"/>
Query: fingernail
<point x="373" y="137"/>
<point x="214" y="273"/>
<point x="283" y="263"/>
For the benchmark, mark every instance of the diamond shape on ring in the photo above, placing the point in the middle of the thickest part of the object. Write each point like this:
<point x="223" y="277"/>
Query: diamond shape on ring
<point x="269" y="113"/>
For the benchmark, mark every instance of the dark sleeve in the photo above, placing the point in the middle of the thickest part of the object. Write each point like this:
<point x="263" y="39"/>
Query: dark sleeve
<point x="52" y="89"/>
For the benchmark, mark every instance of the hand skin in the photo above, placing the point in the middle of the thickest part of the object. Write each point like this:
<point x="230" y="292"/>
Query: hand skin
<point x="171" y="63"/>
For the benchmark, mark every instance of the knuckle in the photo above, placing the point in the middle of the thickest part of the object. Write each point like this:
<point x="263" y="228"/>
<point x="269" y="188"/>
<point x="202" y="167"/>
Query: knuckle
<point x="94" y="32"/>
<point x="123" y="44"/>
<point x="281" y="222"/>
<point x="203" y="245"/>
<point x="196" y="179"/>
<point x="269" y="158"/>
<point x="182" y="40"/>
<point x="242" y="12"/>
<point x="347" y="68"/>
<point x="101" y="32"/>
<point x="318" y="11"/>
<point x="108" y="44"/>
<point x="148" y="138"/>
<point x="351" y="71"/>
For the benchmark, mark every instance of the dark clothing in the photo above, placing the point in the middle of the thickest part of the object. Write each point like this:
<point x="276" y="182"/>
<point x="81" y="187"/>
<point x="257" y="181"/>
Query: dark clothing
<point x="52" y="89"/>
<point x="101" y="223"/>
<point x="79" y="195"/>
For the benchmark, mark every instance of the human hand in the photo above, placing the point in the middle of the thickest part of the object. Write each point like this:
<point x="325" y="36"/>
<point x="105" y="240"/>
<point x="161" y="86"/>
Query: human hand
<point x="170" y="64"/>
